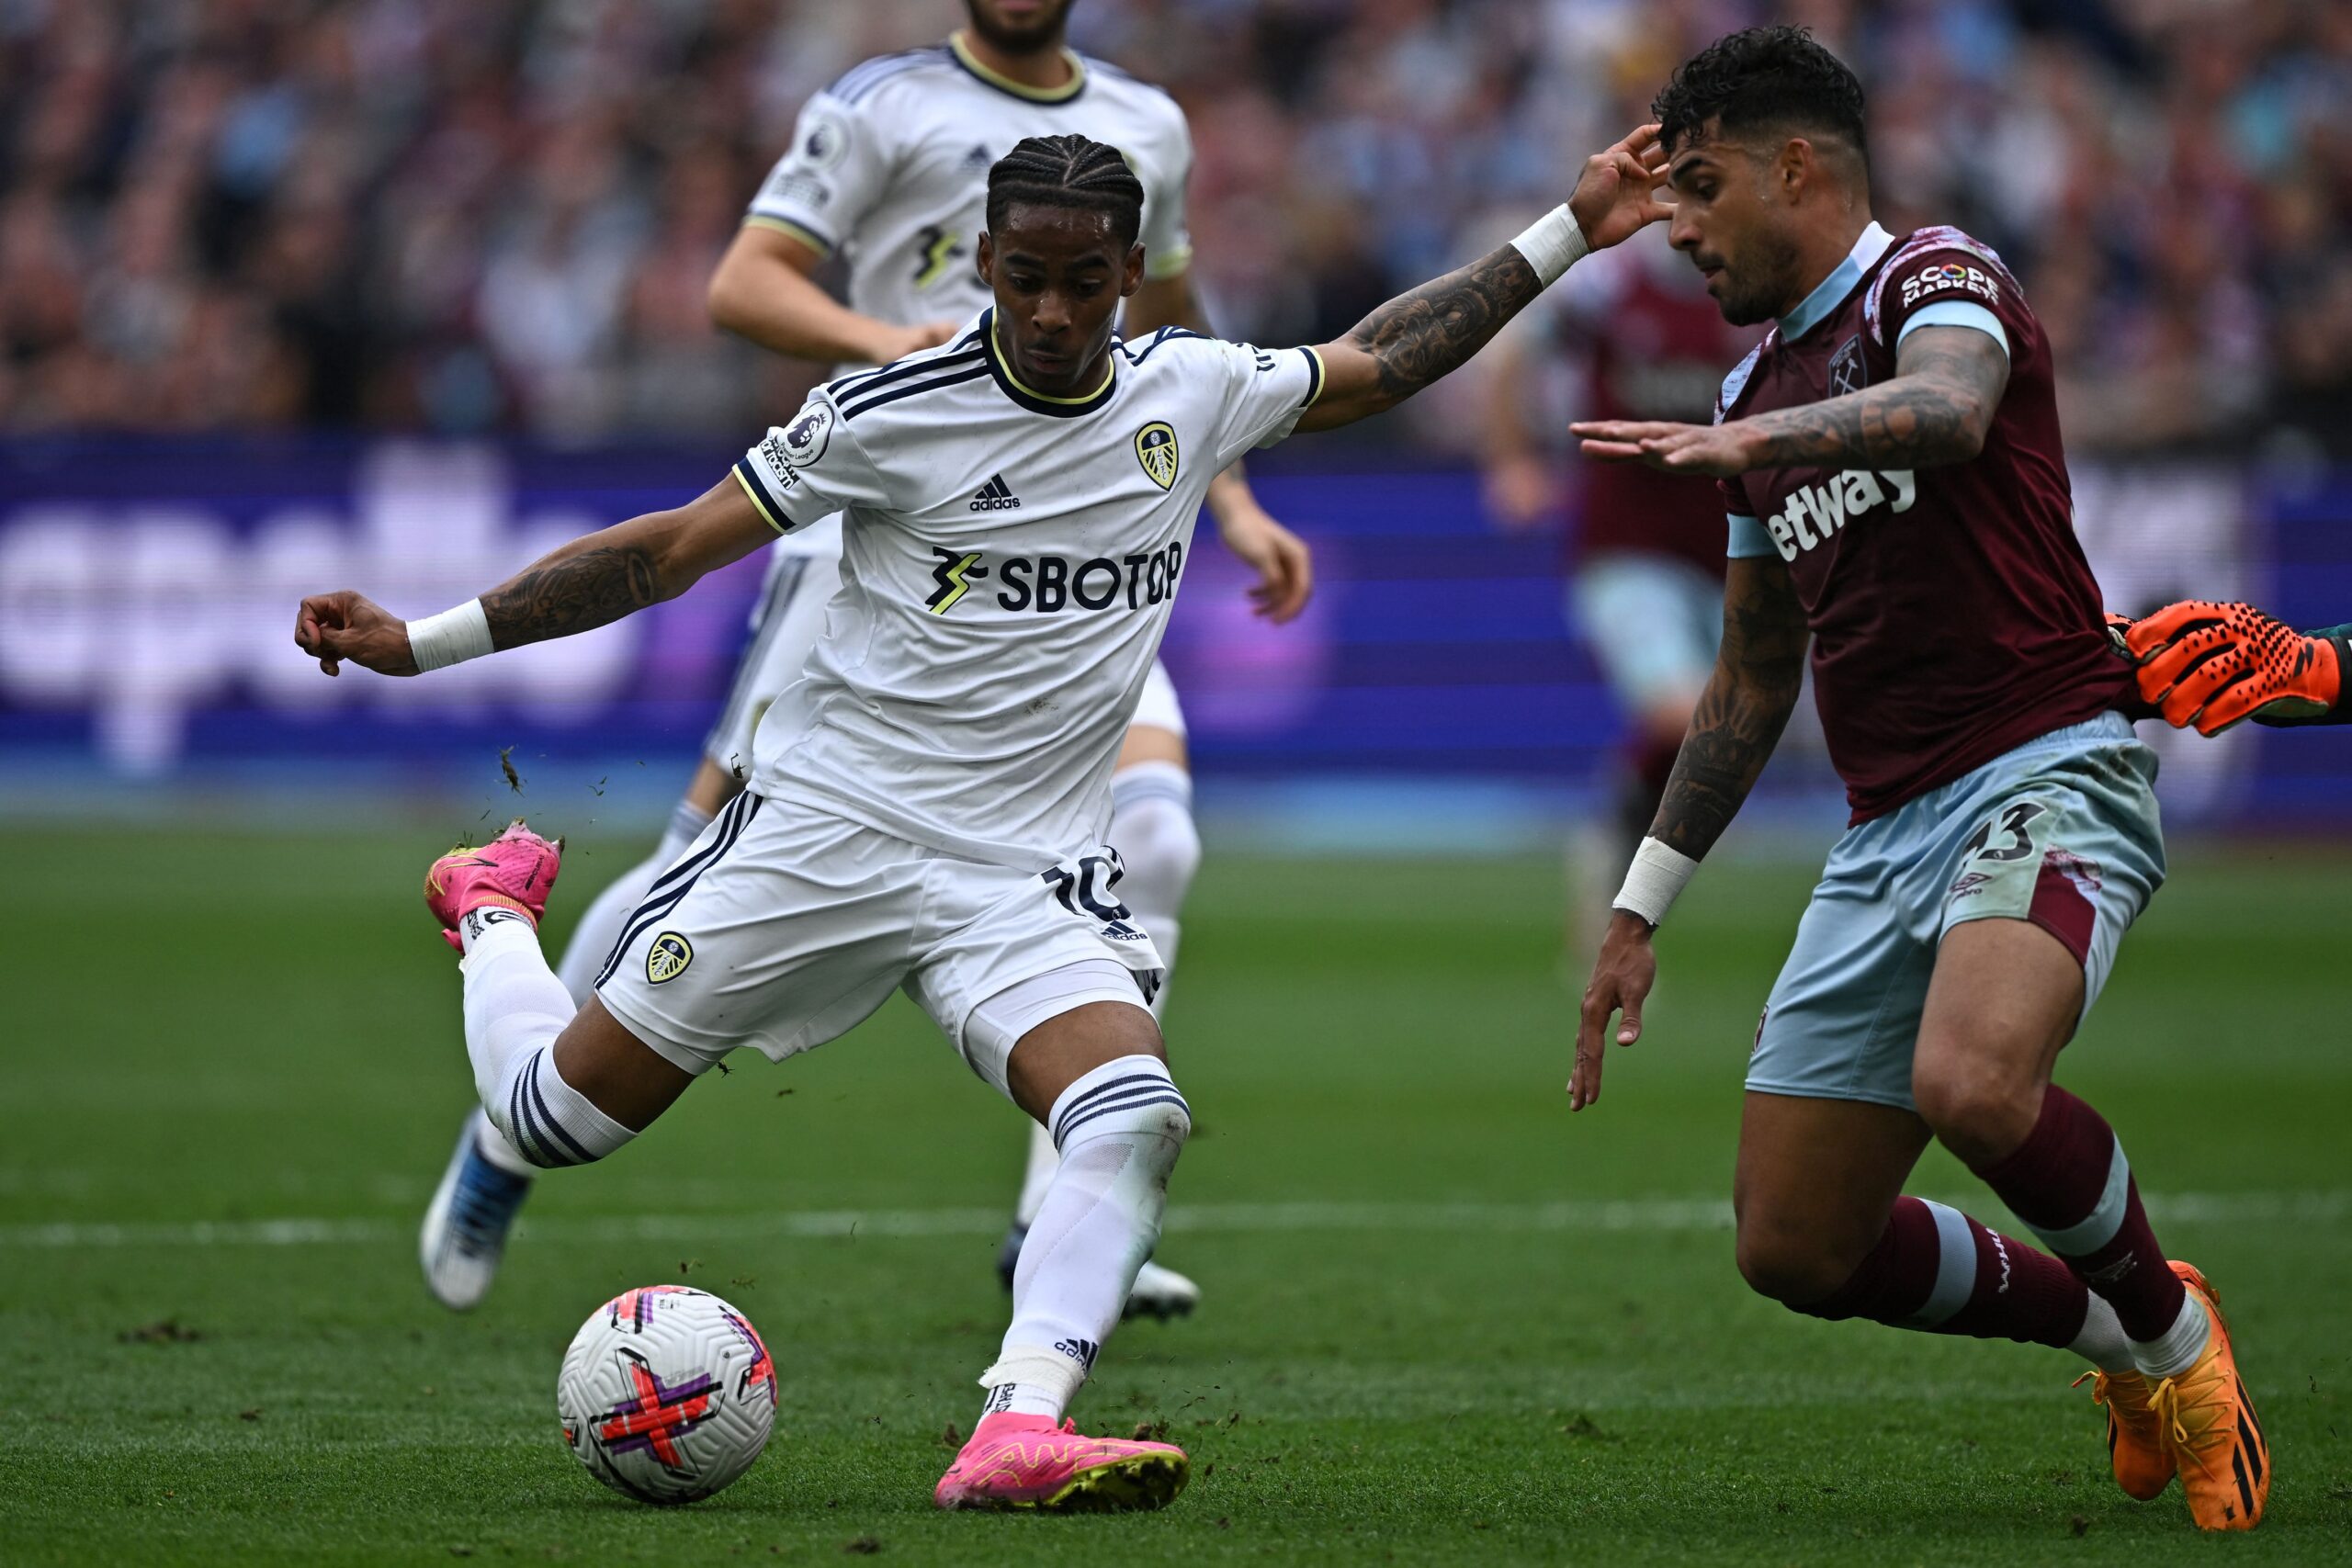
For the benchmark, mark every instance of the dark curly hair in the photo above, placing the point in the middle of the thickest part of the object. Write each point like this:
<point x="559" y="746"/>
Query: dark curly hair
<point x="1764" y="78"/>
<point x="1068" y="171"/>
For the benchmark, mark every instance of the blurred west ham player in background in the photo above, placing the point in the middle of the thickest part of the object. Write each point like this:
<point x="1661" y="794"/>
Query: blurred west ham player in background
<point x="1643" y="550"/>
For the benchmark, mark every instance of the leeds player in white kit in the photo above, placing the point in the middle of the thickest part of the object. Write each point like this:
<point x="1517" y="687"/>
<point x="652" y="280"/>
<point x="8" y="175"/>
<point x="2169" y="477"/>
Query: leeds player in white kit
<point x="928" y="811"/>
<point x="889" y="167"/>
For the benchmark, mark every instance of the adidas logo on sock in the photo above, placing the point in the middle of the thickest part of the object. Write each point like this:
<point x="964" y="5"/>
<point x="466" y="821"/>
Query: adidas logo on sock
<point x="996" y="496"/>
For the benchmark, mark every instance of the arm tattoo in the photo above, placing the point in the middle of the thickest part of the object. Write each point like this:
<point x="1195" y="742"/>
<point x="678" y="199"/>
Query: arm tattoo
<point x="571" y="592"/>
<point x="1937" y="409"/>
<point x="1418" y="337"/>
<point x="1739" y="719"/>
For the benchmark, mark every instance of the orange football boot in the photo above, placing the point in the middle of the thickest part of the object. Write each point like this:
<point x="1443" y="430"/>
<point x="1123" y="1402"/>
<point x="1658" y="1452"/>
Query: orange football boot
<point x="2136" y="1450"/>
<point x="2210" y="1429"/>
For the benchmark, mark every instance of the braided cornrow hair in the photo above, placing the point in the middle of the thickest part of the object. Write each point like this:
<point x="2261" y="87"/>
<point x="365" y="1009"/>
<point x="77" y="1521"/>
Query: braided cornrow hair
<point x="1068" y="171"/>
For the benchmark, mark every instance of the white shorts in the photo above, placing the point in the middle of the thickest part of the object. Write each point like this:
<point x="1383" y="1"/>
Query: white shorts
<point x="785" y="926"/>
<point x="787" y="620"/>
<point x="1653" y="624"/>
<point x="790" y="616"/>
<point x="1158" y="710"/>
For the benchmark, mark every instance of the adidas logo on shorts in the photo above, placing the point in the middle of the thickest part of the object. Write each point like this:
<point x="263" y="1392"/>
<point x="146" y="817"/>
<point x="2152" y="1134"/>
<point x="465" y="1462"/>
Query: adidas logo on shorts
<point x="996" y="496"/>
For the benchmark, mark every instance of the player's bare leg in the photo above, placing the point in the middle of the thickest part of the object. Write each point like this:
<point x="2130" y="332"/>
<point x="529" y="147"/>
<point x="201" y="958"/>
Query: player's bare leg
<point x="1824" y="1228"/>
<point x="2004" y="1000"/>
<point x="1096" y="1077"/>
<point x="1151" y="827"/>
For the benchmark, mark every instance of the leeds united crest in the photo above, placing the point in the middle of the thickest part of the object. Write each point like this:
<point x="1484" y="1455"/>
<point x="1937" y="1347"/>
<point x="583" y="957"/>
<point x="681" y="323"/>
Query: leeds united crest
<point x="1156" y="450"/>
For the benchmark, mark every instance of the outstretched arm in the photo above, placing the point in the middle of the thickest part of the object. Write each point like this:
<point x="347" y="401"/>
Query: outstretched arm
<point x="1747" y="702"/>
<point x="1418" y="337"/>
<point x="592" y="581"/>
<point x="1937" y="408"/>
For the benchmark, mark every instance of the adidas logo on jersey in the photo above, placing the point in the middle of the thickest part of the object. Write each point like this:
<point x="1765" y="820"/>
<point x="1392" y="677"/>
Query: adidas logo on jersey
<point x="977" y="160"/>
<point x="996" y="496"/>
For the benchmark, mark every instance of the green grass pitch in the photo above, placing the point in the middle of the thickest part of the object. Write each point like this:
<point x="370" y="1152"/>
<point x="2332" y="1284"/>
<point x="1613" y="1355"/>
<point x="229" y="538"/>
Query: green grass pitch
<point x="1445" y="1323"/>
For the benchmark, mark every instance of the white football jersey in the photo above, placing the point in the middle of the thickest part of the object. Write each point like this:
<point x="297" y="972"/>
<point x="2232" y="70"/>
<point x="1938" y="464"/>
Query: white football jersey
<point x="1008" y="562"/>
<point x="889" y="165"/>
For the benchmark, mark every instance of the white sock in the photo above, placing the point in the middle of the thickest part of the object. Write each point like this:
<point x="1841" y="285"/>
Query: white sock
<point x="2177" y="1348"/>
<point x="497" y="1149"/>
<point x="2101" y="1341"/>
<point x="607" y="915"/>
<point x="1120" y="1129"/>
<point x="1044" y="1160"/>
<point x="515" y="1009"/>
<point x="1151" y="827"/>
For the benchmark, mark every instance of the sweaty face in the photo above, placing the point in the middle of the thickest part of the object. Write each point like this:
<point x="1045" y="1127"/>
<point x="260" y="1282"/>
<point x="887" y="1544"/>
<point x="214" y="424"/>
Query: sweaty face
<point x="1058" y="273"/>
<point x="1728" y="220"/>
<point x="1019" y="26"/>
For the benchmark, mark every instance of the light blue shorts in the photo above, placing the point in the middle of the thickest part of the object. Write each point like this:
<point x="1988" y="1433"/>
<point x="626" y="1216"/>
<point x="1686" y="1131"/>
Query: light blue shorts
<point x="1653" y="624"/>
<point x="2062" y="831"/>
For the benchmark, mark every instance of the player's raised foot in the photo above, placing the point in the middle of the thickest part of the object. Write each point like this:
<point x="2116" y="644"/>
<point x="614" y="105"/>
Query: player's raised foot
<point x="1026" y="1462"/>
<point x="514" y="871"/>
<point x="2210" y="1427"/>
<point x="2136" y="1450"/>
<point x="1162" y="1293"/>
<point x="1159" y="1292"/>
<point x="465" y="1228"/>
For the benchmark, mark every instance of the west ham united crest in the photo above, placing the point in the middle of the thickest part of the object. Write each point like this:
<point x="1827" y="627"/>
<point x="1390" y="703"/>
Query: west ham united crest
<point x="1847" y="373"/>
<point x="1156" y="450"/>
<point x="668" y="957"/>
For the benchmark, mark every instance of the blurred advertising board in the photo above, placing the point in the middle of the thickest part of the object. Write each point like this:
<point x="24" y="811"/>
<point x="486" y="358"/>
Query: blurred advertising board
<point x="147" y="594"/>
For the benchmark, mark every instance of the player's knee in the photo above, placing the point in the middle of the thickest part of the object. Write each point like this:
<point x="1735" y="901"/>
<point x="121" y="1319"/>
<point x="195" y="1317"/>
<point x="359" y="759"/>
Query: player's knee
<point x="1132" y="1101"/>
<point x="1152" y="827"/>
<point x="1975" y="1108"/>
<point x="1783" y="1263"/>
<point x="550" y="1122"/>
<point x="1170" y="1123"/>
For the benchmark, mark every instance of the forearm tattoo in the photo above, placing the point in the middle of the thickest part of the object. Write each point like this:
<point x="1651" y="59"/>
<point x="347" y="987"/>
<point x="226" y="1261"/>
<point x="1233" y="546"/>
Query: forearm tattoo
<point x="1739" y="719"/>
<point x="1418" y="337"/>
<point x="572" y="594"/>
<point x="1935" y="411"/>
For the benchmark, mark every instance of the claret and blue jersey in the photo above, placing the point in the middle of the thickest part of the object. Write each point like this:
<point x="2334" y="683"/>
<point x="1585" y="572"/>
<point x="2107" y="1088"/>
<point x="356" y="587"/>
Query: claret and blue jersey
<point x="1953" y="614"/>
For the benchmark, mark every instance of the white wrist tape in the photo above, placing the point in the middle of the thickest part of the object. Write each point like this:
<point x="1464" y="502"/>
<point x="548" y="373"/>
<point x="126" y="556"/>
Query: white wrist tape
<point x="1553" y="243"/>
<point x="1652" y="880"/>
<point x="450" y="637"/>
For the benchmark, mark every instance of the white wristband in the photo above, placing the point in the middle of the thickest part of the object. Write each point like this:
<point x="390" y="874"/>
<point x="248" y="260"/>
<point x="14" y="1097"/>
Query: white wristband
<point x="450" y="637"/>
<point x="1553" y="243"/>
<point x="1652" y="880"/>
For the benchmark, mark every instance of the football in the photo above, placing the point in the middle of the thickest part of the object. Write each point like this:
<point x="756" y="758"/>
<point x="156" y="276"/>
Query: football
<point x="667" y="1394"/>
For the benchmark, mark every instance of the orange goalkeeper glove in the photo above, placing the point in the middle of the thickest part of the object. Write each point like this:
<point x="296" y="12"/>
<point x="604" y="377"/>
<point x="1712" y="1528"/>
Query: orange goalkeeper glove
<point x="2215" y="665"/>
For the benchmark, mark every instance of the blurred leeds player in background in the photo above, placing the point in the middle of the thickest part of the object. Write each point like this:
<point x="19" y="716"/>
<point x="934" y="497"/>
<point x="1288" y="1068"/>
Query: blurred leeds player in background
<point x="1643" y="550"/>
<point x="888" y="169"/>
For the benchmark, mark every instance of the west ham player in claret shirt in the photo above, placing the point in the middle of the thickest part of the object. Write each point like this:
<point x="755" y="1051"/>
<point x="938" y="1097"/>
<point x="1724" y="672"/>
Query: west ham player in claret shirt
<point x="1896" y="492"/>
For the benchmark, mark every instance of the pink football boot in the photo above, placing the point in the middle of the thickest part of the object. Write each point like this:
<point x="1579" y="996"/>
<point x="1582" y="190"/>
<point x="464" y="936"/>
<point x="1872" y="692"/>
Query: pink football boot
<point x="1026" y="1462"/>
<point x="514" y="871"/>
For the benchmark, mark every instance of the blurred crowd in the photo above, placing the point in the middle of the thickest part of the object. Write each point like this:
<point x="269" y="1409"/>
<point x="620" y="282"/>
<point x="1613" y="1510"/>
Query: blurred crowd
<point x="486" y="215"/>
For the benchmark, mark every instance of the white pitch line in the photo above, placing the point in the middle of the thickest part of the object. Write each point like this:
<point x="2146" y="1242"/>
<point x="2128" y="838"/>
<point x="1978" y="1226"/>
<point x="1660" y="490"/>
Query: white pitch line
<point x="1629" y="1215"/>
